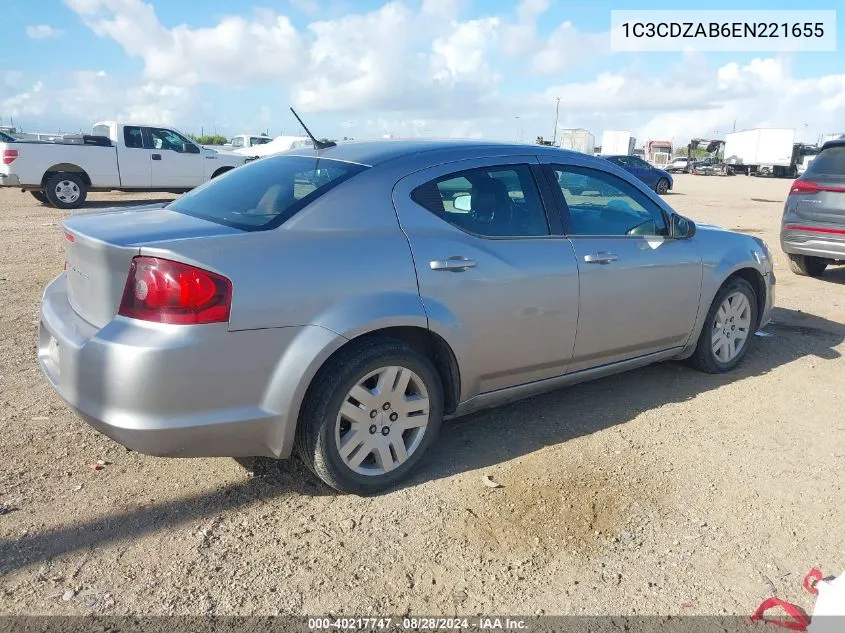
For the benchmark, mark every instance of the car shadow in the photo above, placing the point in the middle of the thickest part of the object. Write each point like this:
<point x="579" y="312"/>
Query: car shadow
<point x="498" y="435"/>
<point x="473" y="442"/>
<point x="270" y="480"/>
<point x="674" y="193"/>
<point x="834" y="274"/>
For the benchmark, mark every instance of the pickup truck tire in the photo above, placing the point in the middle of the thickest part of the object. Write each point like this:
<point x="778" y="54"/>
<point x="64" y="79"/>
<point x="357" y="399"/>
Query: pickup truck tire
<point x="39" y="195"/>
<point x="66" y="190"/>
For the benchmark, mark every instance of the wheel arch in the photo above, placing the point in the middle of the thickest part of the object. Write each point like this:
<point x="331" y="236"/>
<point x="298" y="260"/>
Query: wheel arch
<point x="65" y="168"/>
<point x="723" y="274"/>
<point x="220" y="171"/>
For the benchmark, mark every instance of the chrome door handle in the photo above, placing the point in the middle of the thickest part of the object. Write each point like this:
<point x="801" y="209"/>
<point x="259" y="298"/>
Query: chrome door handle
<point x="455" y="263"/>
<point x="600" y="258"/>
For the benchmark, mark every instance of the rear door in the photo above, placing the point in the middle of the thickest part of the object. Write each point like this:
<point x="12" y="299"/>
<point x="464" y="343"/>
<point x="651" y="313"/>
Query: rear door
<point x="133" y="158"/>
<point x="493" y="278"/>
<point x="639" y="289"/>
<point x="176" y="162"/>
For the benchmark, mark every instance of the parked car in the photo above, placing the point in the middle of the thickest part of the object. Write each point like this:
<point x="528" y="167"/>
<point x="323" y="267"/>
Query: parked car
<point x="116" y="156"/>
<point x="261" y="314"/>
<point x="679" y="165"/>
<point x="813" y="225"/>
<point x="276" y="146"/>
<point x="5" y="137"/>
<point x="659" y="180"/>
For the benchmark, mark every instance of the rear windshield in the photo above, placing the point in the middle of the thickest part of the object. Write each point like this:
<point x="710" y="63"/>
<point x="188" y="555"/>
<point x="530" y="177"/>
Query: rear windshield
<point x="829" y="161"/>
<point x="263" y="194"/>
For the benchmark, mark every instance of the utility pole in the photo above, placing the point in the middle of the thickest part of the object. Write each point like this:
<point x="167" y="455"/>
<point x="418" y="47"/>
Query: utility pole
<point x="557" y="112"/>
<point x="516" y="132"/>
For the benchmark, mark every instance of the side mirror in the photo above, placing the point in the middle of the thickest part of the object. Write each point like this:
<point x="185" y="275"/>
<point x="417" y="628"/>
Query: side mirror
<point x="190" y="148"/>
<point x="682" y="228"/>
<point x="463" y="203"/>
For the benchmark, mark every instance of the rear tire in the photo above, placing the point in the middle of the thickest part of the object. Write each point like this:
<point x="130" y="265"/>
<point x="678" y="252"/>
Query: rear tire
<point x="722" y="325"/>
<point x="39" y="195"/>
<point x="66" y="190"/>
<point x="320" y="432"/>
<point x="807" y="266"/>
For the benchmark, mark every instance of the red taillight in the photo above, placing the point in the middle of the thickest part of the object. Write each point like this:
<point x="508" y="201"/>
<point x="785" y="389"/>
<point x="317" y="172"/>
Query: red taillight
<point x="808" y="186"/>
<point x="164" y="291"/>
<point x="69" y="237"/>
<point x="10" y="156"/>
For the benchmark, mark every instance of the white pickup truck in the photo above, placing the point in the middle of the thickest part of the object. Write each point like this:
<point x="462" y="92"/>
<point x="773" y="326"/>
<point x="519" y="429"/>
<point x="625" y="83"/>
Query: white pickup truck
<point x="117" y="156"/>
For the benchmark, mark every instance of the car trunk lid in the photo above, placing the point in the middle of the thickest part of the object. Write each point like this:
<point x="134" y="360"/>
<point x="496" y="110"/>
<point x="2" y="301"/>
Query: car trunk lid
<point x="820" y="198"/>
<point x="100" y="246"/>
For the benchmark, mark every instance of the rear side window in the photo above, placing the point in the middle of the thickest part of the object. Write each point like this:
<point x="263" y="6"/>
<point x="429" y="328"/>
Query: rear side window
<point x="829" y="161"/>
<point x="500" y="201"/>
<point x="237" y="142"/>
<point x="132" y="137"/>
<point x="263" y="194"/>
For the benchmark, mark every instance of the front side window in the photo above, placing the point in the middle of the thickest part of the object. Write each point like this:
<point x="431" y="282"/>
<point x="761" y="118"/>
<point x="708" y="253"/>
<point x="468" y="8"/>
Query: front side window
<point x="263" y="194"/>
<point x="501" y="201"/>
<point x="600" y="203"/>
<point x="259" y="140"/>
<point x="164" y="139"/>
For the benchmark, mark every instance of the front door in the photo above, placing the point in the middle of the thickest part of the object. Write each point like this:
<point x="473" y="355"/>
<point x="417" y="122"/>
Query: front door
<point x="172" y="166"/>
<point x="494" y="282"/>
<point x="639" y="289"/>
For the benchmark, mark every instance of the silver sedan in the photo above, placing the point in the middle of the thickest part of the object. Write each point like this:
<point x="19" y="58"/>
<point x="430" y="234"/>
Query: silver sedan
<point x="341" y="303"/>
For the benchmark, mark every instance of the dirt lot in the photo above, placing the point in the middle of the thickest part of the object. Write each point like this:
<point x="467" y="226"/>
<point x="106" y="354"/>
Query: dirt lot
<point x="659" y="491"/>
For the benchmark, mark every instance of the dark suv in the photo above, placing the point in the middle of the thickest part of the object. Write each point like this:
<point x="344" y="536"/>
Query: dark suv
<point x="813" y="227"/>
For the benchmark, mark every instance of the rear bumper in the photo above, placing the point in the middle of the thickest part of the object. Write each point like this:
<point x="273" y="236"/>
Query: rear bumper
<point x="815" y="243"/>
<point x="9" y="180"/>
<point x="182" y="391"/>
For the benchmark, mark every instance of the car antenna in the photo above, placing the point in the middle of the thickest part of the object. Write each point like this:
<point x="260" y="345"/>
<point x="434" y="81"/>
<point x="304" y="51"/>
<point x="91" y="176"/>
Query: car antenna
<point x="317" y="144"/>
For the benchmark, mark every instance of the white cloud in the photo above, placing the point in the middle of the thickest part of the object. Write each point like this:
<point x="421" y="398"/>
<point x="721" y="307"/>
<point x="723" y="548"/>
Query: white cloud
<point x="567" y="47"/>
<point x="94" y="95"/>
<point x="416" y="67"/>
<point x="42" y="32"/>
<point x="235" y="52"/>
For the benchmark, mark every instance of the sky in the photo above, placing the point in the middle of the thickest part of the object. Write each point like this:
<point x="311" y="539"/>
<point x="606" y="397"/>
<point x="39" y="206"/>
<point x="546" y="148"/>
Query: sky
<point x="369" y="68"/>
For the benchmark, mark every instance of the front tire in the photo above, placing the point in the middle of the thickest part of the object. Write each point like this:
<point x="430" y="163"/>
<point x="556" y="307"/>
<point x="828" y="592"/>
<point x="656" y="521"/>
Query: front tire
<point x="370" y="416"/>
<point x="728" y="328"/>
<point x="66" y="190"/>
<point x="807" y="266"/>
<point x="662" y="186"/>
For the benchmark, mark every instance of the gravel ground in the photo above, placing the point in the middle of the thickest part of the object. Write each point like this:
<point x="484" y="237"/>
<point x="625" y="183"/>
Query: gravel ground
<point x="660" y="491"/>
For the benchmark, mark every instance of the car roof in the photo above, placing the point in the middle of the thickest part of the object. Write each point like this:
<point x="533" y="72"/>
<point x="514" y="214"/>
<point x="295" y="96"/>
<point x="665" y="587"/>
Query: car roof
<point x="376" y="152"/>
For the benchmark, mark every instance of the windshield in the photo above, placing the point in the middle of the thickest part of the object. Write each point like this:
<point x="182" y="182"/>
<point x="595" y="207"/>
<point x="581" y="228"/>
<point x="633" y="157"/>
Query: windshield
<point x="830" y="161"/>
<point x="264" y="193"/>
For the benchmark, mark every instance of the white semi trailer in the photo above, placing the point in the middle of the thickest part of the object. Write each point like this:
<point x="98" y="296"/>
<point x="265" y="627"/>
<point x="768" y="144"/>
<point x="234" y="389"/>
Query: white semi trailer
<point x="763" y="152"/>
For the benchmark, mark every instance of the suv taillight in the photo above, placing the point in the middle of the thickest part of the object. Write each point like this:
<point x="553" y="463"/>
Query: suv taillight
<point x="808" y="186"/>
<point x="165" y="291"/>
<point x="10" y="156"/>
